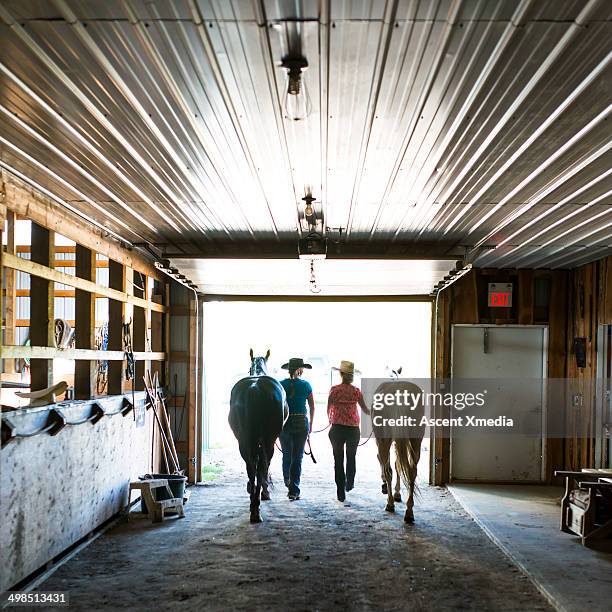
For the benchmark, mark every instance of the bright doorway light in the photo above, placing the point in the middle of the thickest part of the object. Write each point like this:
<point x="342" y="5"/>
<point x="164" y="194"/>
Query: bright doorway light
<point x="375" y="335"/>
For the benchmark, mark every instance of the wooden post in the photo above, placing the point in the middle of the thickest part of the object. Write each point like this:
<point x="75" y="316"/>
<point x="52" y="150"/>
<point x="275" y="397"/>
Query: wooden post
<point x="525" y="297"/>
<point x="157" y="335"/>
<point x="139" y="329"/>
<point x="42" y="307"/>
<point x="116" y="312"/>
<point x="166" y="335"/>
<point x="194" y="418"/>
<point x="10" y="287"/>
<point x="85" y="307"/>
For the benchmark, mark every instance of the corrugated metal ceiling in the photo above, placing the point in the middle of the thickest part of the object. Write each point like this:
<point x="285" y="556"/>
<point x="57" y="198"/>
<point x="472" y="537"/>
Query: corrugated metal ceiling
<point x="436" y="126"/>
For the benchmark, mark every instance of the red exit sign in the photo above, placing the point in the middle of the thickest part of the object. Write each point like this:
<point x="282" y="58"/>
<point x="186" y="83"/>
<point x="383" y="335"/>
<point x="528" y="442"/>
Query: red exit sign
<point x="500" y="295"/>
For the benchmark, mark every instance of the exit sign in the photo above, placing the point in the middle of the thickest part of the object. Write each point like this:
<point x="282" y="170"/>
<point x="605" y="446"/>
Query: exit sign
<point x="500" y="295"/>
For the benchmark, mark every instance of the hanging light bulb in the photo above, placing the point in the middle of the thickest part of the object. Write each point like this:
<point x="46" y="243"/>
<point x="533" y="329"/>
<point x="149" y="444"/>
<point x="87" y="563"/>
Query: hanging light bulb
<point x="296" y="100"/>
<point x="308" y="208"/>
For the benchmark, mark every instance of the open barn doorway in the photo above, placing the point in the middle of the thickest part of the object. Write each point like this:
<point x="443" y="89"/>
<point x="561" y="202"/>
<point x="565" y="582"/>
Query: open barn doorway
<point x="375" y="335"/>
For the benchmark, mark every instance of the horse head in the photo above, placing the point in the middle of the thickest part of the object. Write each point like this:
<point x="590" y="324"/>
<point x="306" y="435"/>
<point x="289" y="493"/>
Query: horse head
<point x="395" y="374"/>
<point x="259" y="365"/>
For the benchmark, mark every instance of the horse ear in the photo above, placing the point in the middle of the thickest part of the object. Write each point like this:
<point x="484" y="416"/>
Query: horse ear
<point x="399" y="370"/>
<point x="251" y="354"/>
<point x="267" y="354"/>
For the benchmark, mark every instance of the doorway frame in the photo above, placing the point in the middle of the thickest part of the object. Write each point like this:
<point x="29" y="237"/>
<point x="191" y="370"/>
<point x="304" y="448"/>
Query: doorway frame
<point x="202" y="415"/>
<point x="544" y="446"/>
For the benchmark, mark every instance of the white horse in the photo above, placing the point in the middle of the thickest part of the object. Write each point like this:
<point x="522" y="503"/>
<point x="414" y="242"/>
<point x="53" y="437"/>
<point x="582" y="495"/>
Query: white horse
<point x="407" y="448"/>
<point x="397" y="494"/>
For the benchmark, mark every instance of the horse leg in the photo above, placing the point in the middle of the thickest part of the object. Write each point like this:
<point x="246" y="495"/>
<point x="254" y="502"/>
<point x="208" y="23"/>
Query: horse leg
<point x="265" y="487"/>
<point x="384" y="447"/>
<point x="397" y="495"/>
<point x="414" y="449"/>
<point x="253" y="492"/>
<point x="245" y="453"/>
<point x="256" y="493"/>
<point x="383" y="488"/>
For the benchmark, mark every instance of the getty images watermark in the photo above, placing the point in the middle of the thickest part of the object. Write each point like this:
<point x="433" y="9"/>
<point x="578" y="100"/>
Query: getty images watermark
<point x="410" y="407"/>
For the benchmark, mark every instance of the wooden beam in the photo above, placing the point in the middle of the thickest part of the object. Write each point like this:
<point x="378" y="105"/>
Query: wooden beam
<point x="194" y="436"/>
<point x="50" y="352"/>
<point x="42" y="306"/>
<point x="45" y="272"/>
<point x="116" y="314"/>
<point x="9" y="292"/>
<point x="139" y="328"/>
<point x="525" y="297"/>
<point x="157" y="334"/>
<point x="29" y="203"/>
<point x="85" y="316"/>
<point x="166" y="344"/>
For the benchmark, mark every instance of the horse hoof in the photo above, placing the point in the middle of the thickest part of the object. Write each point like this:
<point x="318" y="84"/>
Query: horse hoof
<point x="384" y="488"/>
<point x="265" y="495"/>
<point x="390" y="508"/>
<point x="397" y="497"/>
<point x="408" y="518"/>
<point x="255" y="517"/>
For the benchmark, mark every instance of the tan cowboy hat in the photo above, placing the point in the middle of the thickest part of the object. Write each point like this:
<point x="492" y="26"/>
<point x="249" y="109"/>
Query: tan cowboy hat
<point x="347" y="367"/>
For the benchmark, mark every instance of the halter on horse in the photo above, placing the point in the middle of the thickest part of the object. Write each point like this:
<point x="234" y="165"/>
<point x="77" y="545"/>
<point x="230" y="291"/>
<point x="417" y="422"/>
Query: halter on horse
<point x="407" y="449"/>
<point x="257" y="414"/>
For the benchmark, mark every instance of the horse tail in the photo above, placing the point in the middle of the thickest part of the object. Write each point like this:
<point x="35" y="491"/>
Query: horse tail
<point x="407" y="452"/>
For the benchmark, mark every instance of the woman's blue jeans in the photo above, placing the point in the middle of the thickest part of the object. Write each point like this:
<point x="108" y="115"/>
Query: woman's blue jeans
<point x="292" y="439"/>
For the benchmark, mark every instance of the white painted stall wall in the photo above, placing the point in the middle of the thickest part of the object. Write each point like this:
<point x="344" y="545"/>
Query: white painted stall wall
<point x="56" y="489"/>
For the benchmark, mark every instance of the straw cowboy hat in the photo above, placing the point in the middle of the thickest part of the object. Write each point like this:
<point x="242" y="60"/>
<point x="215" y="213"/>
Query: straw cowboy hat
<point x="347" y="367"/>
<point x="295" y="363"/>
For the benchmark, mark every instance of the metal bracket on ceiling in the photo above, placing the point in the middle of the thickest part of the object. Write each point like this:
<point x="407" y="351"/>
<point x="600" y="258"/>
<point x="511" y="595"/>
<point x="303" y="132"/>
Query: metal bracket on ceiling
<point x="461" y="269"/>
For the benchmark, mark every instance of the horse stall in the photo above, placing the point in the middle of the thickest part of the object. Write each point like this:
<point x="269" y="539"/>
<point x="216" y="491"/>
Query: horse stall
<point x="306" y="304"/>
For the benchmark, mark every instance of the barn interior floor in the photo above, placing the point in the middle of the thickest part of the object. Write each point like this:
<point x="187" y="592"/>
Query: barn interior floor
<point x="524" y="522"/>
<point x="312" y="554"/>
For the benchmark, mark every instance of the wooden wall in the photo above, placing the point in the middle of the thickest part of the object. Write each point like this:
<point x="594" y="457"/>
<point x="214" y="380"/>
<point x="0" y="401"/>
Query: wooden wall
<point x="578" y="301"/>
<point x="466" y="302"/>
<point x="57" y="489"/>
<point x="590" y="304"/>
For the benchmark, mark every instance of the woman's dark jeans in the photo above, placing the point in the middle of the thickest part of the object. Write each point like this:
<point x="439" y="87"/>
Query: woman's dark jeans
<point x="292" y="439"/>
<point x="341" y="436"/>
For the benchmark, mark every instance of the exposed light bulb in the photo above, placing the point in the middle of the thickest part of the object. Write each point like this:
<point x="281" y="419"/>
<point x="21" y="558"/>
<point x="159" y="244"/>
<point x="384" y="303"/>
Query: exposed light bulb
<point x="296" y="100"/>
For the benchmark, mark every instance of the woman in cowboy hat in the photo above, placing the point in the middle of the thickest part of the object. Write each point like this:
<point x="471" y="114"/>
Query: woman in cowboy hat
<point x="296" y="429"/>
<point x="344" y="418"/>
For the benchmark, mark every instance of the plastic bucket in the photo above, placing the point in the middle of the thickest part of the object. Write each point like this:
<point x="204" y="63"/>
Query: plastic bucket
<point x="175" y="482"/>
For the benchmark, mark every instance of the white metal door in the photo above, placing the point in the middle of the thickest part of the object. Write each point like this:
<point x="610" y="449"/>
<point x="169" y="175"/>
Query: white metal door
<point x="505" y="355"/>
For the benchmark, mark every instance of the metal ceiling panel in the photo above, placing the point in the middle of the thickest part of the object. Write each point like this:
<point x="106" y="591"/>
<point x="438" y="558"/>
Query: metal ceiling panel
<point x="436" y="127"/>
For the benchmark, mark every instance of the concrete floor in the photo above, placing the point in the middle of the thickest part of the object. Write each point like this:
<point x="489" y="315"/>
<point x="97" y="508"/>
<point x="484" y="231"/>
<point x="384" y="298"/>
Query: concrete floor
<point x="313" y="554"/>
<point x="524" y="522"/>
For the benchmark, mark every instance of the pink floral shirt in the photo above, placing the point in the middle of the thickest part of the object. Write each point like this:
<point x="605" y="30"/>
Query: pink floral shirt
<point x="343" y="405"/>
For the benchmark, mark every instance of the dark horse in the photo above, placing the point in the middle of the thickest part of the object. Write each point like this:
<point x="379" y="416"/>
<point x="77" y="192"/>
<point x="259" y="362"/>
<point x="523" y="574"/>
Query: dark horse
<point x="257" y="414"/>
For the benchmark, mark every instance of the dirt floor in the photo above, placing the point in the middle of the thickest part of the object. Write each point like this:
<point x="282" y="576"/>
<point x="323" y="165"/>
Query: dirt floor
<point x="311" y="554"/>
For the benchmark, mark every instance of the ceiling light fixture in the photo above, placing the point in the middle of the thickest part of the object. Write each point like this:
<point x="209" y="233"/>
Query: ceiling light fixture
<point x="296" y="100"/>
<point x="309" y="211"/>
